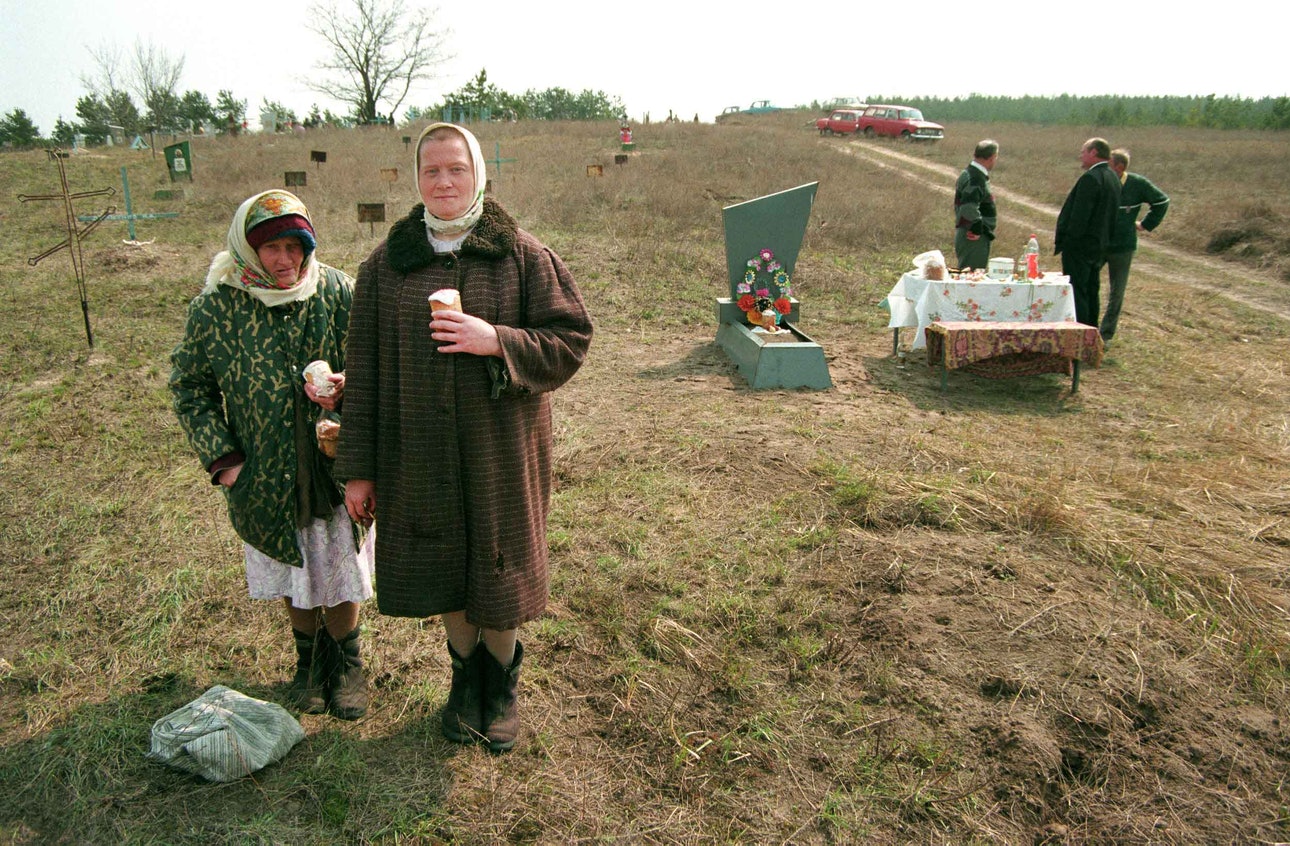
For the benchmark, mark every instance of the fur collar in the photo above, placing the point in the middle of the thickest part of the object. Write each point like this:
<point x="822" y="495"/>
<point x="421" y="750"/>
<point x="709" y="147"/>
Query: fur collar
<point x="409" y="249"/>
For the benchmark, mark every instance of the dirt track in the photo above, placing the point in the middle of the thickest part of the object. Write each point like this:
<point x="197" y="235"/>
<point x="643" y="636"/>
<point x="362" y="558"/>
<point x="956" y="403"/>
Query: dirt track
<point x="1221" y="278"/>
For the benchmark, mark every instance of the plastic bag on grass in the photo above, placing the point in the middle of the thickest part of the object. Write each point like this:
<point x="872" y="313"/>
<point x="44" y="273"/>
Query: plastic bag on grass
<point x="224" y="735"/>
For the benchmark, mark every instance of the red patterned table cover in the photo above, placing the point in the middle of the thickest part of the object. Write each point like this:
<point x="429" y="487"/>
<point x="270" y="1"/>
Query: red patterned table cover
<point x="999" y="349"/>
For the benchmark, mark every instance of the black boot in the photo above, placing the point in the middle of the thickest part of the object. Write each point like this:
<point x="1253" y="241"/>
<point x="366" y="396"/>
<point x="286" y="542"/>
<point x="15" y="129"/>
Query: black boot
<point x="463" y="713"/>
<point x="313" y="665"/>
<point x="501" y="708"/>
<point x="348" y="686"/>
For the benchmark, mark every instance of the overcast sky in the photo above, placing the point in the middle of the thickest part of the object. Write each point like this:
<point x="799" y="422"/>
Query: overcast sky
<point x="688" y="56"/>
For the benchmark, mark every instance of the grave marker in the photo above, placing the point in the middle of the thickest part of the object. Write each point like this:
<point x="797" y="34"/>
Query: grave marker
<point x="371" y="214"/>
<point x="497" y="159"/>
<point x="774" y="224"/>
<point x="179" y="161"/>
<point x="317" y="157"/>
<point x="295" y="178"/>
<point x="390" y="174"/>
<point x="130" y="216"/>
<point x="595" y="170"/>
<point x="74" y="234"/>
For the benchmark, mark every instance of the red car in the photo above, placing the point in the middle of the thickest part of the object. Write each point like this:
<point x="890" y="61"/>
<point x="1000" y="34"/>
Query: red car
<point x="840" y="122"/>
<point x="903" y="122"/>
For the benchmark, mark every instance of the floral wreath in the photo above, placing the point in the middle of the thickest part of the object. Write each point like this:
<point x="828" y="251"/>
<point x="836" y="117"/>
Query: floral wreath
<point x="756" y="297"/>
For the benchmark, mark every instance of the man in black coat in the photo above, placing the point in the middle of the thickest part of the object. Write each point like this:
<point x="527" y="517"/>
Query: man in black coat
<point x="1084" y="227"/>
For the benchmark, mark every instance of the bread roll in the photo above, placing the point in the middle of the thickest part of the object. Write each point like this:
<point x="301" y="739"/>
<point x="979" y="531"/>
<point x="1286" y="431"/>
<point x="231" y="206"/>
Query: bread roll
<point x="316" y="373"/>
<point x="445" y="298"/>
<point x="328" y="432"/>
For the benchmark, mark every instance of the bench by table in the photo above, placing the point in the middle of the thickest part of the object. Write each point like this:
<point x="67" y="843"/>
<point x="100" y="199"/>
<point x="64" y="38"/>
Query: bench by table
<point x="1003" y="349"/>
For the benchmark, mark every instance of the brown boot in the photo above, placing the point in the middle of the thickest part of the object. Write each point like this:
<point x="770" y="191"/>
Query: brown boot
<point x="308" y="689"/>
<point x="501" y="708"/>
<point x="463" y="713"/>
<point x="347" y="683"/>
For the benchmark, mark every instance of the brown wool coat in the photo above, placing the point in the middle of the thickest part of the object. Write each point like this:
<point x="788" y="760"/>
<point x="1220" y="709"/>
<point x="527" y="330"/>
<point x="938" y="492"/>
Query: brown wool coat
<point x="463" y="479"/>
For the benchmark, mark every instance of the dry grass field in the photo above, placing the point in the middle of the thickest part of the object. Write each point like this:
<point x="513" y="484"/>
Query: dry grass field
<point x="880" y="613"/>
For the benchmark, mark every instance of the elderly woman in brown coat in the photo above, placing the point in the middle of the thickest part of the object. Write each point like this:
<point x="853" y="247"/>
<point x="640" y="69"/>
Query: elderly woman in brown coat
<point x="448" y="423"/>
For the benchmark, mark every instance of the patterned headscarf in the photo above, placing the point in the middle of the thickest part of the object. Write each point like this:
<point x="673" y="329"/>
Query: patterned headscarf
<point x="239" y="266"/>
<point x="435" y="225"/>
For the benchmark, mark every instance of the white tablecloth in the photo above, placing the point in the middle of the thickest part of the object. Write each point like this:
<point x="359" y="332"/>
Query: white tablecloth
<point x="916" y="302"/>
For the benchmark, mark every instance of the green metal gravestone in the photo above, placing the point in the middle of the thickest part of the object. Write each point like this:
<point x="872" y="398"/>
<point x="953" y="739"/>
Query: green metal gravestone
<point x="788" y="358"/>
<point x="179" y="161"/>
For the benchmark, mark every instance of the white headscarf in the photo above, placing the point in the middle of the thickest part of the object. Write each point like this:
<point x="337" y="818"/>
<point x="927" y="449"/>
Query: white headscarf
<point x="470" y="217"/>
<point x="239" y="266"/>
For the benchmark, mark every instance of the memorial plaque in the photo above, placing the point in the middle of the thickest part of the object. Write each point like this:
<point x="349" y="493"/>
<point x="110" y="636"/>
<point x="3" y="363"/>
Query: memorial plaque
<point x="179" y="161"/>
<point x="777" y="221"/>
<point x="317" y="156"/>
<point x="371" y="212"/>
<point x="595" y="170"/>
<point x="295" y="178"/>
<point x="620" y="158"/>
<point x="390" y="174"/>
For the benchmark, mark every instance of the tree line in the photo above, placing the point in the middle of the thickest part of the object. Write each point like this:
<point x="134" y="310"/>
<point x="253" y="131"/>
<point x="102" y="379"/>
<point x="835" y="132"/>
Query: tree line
<point x="480" y="99"/>
<point x="376" y="51"/>
<point x="1209" y="111"/>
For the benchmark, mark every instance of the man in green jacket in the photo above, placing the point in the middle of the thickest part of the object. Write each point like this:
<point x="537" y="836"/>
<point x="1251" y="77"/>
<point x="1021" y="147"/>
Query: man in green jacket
<point x="975" y="215"/>
<point x="1135" y="191"/>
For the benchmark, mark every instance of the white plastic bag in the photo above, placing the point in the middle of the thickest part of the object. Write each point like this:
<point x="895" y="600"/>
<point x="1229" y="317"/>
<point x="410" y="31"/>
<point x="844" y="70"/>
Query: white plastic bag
<point x="930" y="257"/>
<point x="224" y="735"/>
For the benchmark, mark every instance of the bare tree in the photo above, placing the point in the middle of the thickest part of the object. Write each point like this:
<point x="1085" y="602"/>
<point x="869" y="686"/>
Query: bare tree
<point x="379" y="49"/>
<point x="156" y="81"/>
<point x="151" y="74"/>
<point x="108" y="75"/>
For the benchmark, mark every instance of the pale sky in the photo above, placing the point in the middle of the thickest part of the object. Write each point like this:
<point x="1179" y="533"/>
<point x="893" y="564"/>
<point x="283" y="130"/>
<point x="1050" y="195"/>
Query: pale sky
<point x="685" y="55"/>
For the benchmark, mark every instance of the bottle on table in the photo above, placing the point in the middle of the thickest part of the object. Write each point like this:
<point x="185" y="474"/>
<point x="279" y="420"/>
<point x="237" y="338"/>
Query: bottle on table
<point x="1032" y="258"/>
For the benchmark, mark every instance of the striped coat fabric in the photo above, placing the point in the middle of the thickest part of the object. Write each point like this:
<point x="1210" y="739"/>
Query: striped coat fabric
<point x="459" y="446"/>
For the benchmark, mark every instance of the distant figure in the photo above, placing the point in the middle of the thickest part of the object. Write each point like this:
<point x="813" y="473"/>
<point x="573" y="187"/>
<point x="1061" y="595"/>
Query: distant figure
<point x="1084" y="226"/>
<point x="975" y="215"/>
<point x="696" y="117"/>
<point x="1135" y="189"/>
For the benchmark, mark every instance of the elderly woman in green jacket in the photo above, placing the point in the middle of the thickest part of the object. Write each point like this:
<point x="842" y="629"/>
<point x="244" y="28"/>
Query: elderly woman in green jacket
<point x="269" y="309"/>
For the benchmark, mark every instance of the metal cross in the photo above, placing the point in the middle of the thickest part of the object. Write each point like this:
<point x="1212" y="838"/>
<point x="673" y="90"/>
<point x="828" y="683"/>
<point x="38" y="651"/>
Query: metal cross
<point x="497" y="158"/>
<point x="74" y="234"/>
<point x="130" y="217"/>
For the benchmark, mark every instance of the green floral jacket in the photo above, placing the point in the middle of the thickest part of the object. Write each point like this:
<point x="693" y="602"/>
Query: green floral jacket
<point x="236" y="383"/>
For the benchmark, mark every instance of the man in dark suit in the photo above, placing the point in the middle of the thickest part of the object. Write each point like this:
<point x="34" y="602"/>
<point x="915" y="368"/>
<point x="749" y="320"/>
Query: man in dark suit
<point x="1084" y="227"/>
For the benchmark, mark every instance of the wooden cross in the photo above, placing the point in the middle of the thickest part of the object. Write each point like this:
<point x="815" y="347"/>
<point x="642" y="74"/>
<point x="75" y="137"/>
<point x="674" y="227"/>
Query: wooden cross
<point x="74" y="234"/>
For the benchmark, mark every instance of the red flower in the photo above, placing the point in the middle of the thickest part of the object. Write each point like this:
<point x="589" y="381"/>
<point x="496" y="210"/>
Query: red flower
<point x="746" y="302"/>
<point x="783" y="305"/>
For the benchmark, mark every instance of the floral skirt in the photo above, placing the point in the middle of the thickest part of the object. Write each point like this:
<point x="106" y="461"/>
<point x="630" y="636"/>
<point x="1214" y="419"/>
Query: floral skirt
<point x="333" y="572"/>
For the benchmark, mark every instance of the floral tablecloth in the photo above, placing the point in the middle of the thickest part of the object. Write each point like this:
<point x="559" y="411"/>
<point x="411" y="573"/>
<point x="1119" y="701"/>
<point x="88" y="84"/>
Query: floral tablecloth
<point x="917" y="302"/>
<point x="998" y="349"/>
